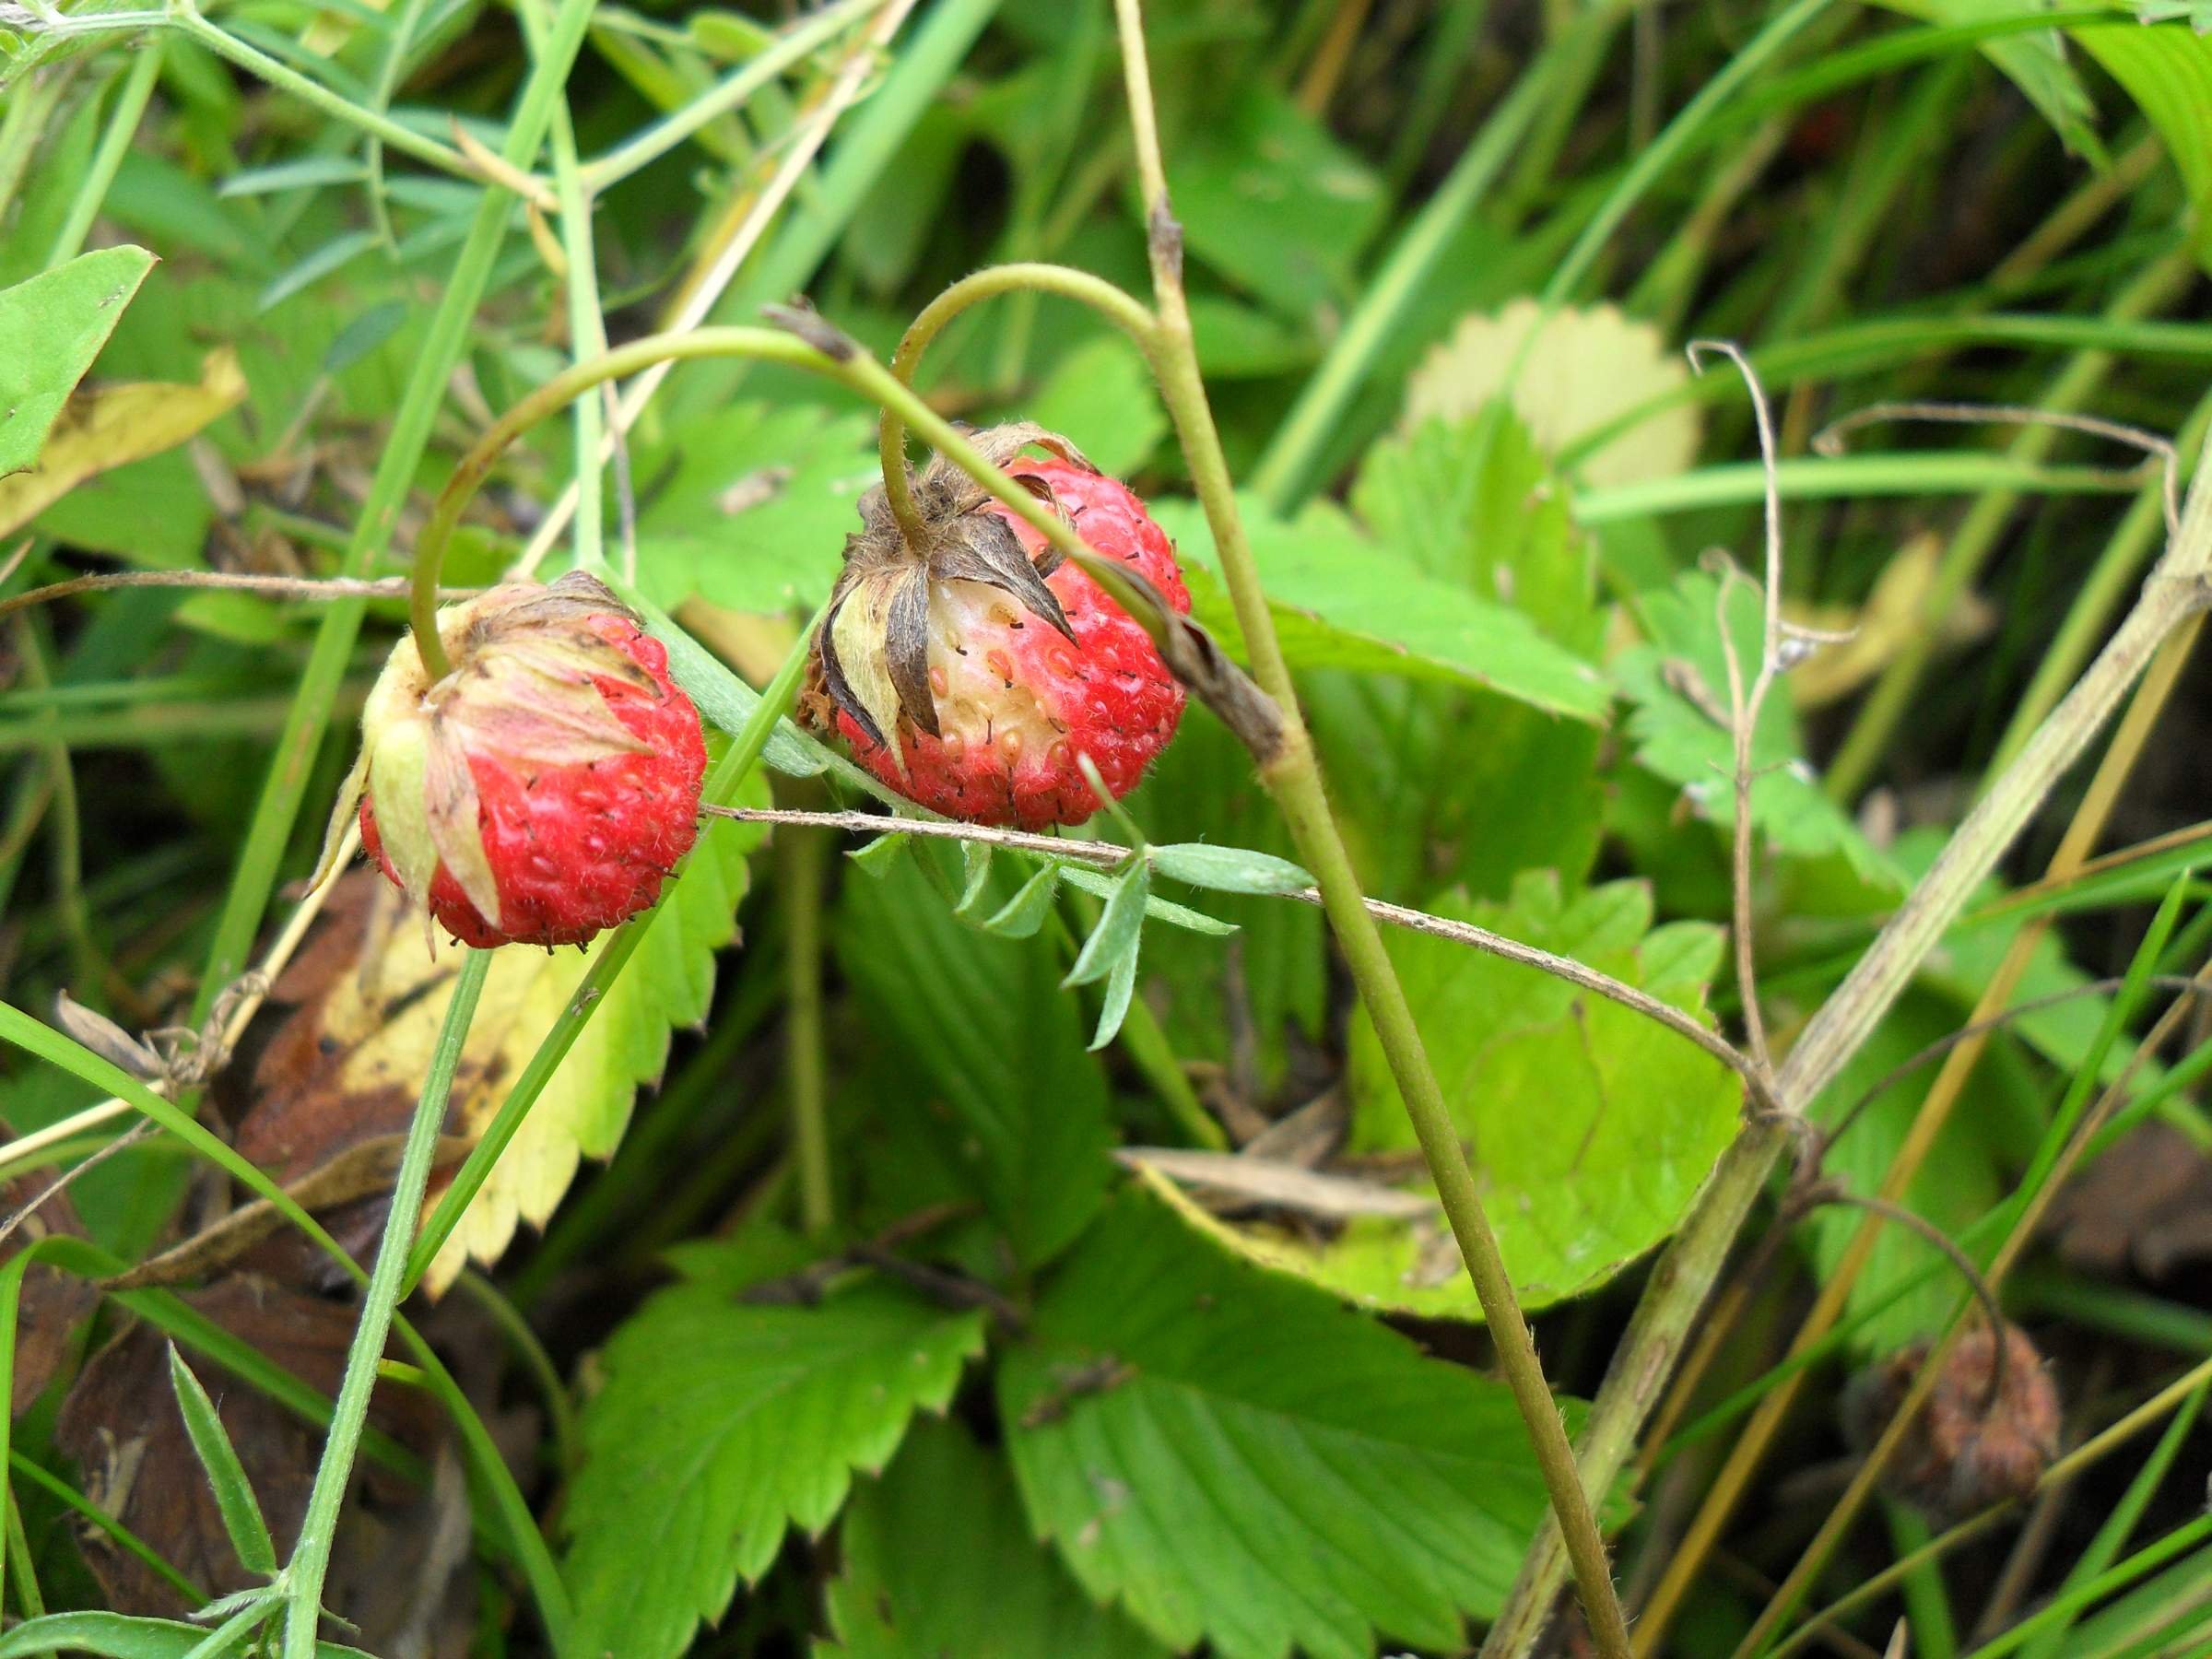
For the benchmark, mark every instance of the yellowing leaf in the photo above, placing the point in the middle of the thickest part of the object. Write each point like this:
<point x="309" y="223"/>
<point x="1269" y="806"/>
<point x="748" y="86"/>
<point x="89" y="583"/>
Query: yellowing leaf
<point x="1585" y="368"/>
<point x="101" y="430"/>
<point x="1590" y="1127"/>
<point x="376" y="992"/>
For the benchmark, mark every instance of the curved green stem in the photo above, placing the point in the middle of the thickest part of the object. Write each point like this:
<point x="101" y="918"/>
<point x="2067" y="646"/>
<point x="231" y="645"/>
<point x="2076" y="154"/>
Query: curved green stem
<point x="835" y="358"/>
<point x="318" y="1529"/>
<point x="1117" y="306"/>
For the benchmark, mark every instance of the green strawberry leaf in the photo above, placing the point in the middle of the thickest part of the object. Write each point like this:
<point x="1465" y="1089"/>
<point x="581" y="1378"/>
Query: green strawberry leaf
<point x="1229" y="869"/>
<point x="1590" y="1127"/>
<point x="725" y="1423"/>
<point x="751" y="505"/>
<point x="586" y="1106"/>
<point x="936" y="1561"/>
<point x="1271" y="201"/>
<point x="1232" y="1455"/>
<point x="1341" y="600"/>
<point x="985" y="1018"/>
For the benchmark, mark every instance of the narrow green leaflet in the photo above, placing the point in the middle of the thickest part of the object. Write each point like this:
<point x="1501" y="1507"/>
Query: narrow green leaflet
<point x="1474" y="502"/>
<point x="1229" y="869"/>
<point x="722" y="1425"/>
<point x="1119" y="927"/>
<point x="2167" y="69"/>
<point x="119" y="1636"/>
<point x="1024" y="913"/>
<point x="1344" y="601"/>
<point x="936" y="1561"/>
<point x="1679" y="683"/>
<point x="1237" y="1459"/>
<point x="51" y="328"/>
<point x="1002" y="1042"/>
<point x="234" y="1499"/>
<point x="1590" y="1127"/>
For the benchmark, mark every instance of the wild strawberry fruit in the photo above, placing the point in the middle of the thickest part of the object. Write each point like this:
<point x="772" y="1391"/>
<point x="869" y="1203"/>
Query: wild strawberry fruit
<point x="969" y="673"/>
<point x="540" y="791"/>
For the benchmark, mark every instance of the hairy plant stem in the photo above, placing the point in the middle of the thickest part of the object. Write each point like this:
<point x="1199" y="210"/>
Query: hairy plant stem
<point x="311" y="1556"/>
<point x="1292" y="775"/>
<point x="1684" y="1276"/>
<point x="1108" y="855"/>
<point x="1116" y="305"/>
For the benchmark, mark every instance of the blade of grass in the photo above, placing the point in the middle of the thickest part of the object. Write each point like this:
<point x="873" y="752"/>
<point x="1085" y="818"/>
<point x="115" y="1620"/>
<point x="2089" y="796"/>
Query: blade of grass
<point x="318" y="1529"/>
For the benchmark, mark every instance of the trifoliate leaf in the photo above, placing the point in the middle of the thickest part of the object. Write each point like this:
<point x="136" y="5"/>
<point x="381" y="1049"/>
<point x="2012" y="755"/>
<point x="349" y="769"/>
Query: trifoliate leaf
<point x="1233" y="1457"/>
<point x="722" y="1425"/>
<point x="936" y="1559"/>
<point x="1584" y="368"/>
<point x="1024" y="1111"/>
<point x="1679" y="682"/>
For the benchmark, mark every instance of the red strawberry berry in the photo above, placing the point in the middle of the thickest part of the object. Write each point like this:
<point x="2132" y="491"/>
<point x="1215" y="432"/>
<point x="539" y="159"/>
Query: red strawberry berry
<point x="539" y="792"/>
<point x="991" y="664"/>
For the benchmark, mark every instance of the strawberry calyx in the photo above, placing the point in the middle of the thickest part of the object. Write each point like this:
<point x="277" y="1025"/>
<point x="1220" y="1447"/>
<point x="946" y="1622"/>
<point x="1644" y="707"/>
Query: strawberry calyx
<point x="531" y="664"/>
<point x="871" y="654"/>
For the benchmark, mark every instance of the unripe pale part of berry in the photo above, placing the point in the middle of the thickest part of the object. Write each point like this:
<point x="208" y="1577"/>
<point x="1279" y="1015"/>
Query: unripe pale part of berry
<point x="540" y="791"/>
<point x="975" y="673"/>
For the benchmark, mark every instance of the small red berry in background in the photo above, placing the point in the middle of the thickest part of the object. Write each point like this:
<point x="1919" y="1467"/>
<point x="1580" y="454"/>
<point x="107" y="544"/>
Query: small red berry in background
<point x="540" y="792"/>
<point x="971" y="674"/>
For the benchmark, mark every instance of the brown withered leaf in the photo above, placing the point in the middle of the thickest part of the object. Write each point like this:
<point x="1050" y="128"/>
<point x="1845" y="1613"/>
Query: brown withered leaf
<point x="334" y="1060"/>
<point x="54" y="1303"/>
<point x="122" y="1425"/>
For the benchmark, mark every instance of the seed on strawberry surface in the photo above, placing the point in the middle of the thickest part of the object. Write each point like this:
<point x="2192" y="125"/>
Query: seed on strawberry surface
<point x="541" y="790"/>
<point x="973" y="672"/>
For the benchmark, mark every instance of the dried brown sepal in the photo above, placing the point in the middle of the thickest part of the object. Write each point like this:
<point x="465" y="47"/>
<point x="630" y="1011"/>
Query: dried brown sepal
<point x="1980" y="1439"/>
<point x="871" y="654"/>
